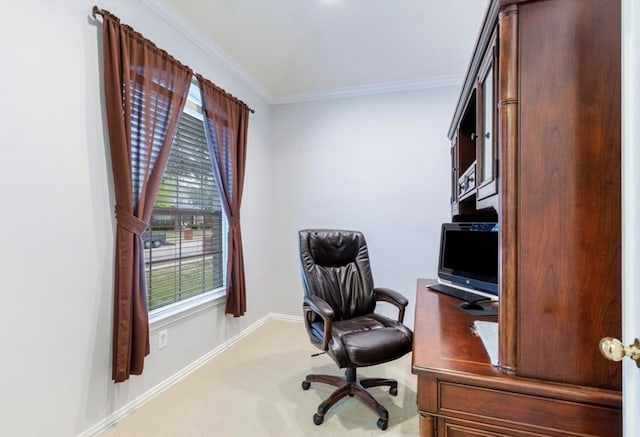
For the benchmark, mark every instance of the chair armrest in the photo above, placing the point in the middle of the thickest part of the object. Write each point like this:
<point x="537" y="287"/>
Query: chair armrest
<point x="320" y="307"/>
<point x="394" y="298"/>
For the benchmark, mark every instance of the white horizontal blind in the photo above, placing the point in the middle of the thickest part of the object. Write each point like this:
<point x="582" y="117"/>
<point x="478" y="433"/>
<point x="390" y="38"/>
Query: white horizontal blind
<point x="155" y="99"/>
<point x="183" y="245"/>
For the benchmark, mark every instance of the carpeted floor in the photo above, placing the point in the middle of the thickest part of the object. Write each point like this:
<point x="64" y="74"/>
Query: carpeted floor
<point x="253" y="389"/>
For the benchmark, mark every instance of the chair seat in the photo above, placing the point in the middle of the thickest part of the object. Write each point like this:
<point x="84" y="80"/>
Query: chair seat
<point x="368" y="348"/>
<point x="366" y="340"/>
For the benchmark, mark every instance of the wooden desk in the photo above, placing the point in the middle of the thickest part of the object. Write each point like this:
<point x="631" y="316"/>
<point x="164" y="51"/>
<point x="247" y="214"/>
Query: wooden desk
<point x="461" y="394"/>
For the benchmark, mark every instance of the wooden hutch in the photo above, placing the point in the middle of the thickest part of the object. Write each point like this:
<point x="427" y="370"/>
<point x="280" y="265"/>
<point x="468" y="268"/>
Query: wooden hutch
<point x="535" y="146"/>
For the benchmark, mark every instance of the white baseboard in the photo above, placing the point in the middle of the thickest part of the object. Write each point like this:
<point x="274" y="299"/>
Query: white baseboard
<point x="130" y="407"/>
<point x="284" y="317"/>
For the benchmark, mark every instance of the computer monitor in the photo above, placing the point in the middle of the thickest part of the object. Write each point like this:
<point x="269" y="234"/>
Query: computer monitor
<point x="469" y="256"/>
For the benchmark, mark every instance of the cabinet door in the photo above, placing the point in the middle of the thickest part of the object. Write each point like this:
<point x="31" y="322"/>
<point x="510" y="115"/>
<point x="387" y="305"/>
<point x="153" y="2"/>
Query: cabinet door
<point x="487" y="144"/>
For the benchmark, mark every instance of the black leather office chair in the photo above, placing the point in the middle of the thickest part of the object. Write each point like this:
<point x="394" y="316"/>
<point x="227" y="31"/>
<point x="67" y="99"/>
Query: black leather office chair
<point x="338" y="307"/>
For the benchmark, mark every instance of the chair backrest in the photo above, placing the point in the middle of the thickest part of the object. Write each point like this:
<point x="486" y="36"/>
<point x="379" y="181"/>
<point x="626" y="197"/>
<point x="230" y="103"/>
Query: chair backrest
<point x="335" y="267"/>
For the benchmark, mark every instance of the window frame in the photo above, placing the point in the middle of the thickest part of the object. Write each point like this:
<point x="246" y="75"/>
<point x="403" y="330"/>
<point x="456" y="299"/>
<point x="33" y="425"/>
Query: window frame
<point x="167" y="314"/>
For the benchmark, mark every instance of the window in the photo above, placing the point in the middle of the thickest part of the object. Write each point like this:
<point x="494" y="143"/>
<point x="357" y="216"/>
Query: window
<point x="184" y="250"/>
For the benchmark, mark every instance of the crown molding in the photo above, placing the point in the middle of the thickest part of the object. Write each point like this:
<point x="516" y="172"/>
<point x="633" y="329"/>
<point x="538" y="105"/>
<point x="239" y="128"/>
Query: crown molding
<point x="174" y="18"/>
<point x="380" y="88"/>
<point x="171" y="15"/>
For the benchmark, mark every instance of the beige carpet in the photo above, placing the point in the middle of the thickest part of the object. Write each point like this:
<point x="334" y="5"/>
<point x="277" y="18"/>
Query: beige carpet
<point x="253" y="389"/>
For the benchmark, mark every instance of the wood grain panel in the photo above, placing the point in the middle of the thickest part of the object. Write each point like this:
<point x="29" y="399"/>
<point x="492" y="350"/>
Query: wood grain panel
<point x="568" y="275"/>
<point x="520" y="411"/>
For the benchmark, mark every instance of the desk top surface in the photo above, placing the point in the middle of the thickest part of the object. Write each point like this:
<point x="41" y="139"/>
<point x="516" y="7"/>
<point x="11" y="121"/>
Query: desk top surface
<point x="443" y="340"/>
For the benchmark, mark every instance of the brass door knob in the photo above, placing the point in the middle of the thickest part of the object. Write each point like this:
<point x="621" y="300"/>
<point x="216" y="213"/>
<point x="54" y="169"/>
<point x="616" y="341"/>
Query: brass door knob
<point x="614" y="350"/>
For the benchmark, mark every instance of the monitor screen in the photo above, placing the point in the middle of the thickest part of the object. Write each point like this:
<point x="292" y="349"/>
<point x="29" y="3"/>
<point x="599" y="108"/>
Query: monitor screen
<point x="469" y="255"/>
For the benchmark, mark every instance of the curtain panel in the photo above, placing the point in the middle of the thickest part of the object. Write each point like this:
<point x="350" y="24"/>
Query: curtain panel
<point x="226" y="123"/>
<point x="145" y="91"/>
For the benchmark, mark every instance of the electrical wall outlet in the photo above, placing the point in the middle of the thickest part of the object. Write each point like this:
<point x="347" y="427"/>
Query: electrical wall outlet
<point x="163" y="339"/>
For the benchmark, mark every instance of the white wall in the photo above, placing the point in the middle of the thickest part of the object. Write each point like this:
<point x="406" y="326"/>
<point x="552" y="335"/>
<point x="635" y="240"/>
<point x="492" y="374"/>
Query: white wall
<point x="379" y="164"/>
<point x="57" y="224"/>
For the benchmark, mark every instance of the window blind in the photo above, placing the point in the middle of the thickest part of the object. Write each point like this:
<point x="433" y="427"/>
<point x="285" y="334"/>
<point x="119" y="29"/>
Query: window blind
<point x="184" y="244"/>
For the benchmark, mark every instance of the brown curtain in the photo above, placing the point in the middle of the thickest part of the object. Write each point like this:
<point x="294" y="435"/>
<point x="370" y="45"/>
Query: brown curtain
<point x="226" y="120"/>
<point x="145" y="92"/>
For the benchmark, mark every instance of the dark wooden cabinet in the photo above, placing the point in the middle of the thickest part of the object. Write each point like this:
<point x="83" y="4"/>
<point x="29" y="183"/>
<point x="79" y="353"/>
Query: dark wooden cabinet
<point x="538" y="119"/>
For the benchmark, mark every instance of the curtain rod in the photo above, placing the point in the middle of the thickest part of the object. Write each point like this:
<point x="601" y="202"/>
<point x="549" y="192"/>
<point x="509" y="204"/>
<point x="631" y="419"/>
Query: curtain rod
<point x="97" y="11"/>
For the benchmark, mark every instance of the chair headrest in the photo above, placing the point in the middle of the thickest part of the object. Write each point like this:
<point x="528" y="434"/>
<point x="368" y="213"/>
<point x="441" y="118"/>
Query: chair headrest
<point x="333" y="248"/>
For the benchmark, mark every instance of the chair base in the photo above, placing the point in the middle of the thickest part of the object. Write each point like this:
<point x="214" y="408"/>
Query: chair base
<point x="351" y="385"/>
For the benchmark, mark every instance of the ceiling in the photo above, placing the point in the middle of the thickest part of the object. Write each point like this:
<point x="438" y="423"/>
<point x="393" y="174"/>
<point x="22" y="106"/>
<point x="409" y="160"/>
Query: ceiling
<point x="294" y="50"/>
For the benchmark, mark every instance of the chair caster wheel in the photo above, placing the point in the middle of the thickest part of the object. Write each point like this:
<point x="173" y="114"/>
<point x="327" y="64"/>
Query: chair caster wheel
<point x="305" y="385"/>
<point x="317" y="419"/>
<point x="393" y="391"/>
<point x="382" y="424"/>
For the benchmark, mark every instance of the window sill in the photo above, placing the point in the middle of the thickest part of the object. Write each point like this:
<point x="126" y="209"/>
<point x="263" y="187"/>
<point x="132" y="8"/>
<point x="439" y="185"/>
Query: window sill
<point x="169" y="314"/>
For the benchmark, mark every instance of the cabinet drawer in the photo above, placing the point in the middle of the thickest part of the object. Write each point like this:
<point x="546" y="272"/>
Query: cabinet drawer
<point x="469" y="429"/>
<point x="519" y="410"/>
